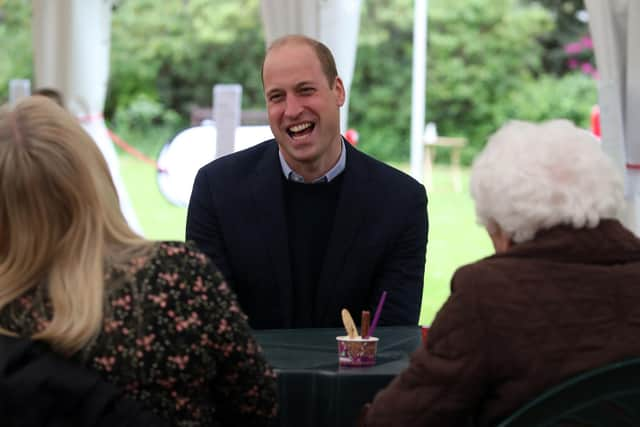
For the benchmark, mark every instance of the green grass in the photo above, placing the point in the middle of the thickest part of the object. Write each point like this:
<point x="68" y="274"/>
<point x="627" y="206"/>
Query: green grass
<point x="454" y="237"/>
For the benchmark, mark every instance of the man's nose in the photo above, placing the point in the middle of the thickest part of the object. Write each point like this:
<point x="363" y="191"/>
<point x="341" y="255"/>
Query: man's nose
<point x="293" y="107"/>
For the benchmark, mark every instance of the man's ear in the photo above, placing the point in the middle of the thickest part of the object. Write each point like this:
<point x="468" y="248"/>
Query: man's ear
<point x="338" y="88"/>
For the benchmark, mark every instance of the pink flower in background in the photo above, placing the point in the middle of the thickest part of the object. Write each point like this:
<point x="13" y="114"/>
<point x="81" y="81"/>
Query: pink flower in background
<point x="579" y="56"/>
<point x="586" y="42"/>
<point x="573" y="48"/>
<point x="587" y="68"/>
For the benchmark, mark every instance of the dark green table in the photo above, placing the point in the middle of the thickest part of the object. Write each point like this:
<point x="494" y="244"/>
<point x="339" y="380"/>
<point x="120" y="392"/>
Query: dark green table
<point x="314" y="390"/>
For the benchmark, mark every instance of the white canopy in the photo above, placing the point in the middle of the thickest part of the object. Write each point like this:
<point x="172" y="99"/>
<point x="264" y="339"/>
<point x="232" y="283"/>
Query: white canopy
<point x="71" y="41"/>
<point x="335" y="23"/>
<point x="616" y="36"/>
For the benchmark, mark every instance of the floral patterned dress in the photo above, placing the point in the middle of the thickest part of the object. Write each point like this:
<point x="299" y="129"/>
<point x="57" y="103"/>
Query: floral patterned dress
<point x="174" y="338"/>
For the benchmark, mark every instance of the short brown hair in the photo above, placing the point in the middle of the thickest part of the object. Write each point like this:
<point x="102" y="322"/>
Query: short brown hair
<point x="51" y="93"/>
<point x="323" y="53"/>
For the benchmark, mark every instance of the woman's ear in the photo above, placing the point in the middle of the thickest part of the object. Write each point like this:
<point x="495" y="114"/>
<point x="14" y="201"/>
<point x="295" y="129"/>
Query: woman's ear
<point x="501" y="240"/>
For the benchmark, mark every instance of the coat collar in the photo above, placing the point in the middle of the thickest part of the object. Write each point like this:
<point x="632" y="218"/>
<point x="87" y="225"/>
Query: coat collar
<point x="607" y="243"/>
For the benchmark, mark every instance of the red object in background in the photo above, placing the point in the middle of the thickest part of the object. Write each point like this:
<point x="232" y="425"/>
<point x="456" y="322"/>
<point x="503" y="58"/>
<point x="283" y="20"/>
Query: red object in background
<point x="352" y="136"/>
<point x="425" y="333"/>
<point x="595" y="120"/>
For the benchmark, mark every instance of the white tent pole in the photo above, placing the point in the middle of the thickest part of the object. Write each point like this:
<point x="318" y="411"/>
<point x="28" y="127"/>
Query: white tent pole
<point x="335" y="23"/>
<point x="71" y="54"/>
<point x="418" y="94"/>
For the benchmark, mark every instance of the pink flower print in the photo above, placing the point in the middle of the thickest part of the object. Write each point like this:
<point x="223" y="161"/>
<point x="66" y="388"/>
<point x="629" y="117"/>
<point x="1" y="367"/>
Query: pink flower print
<point x="173" y="250"/>
<point x="572" y="63"/>
<point x="180" y="401"/>
<point x="124" y="302"/>
<point x="168" y="383"/>
<point x="182" y="324"/>
<point x="161" y="299"/>
<point x="41" y="323"/>
<point x="26" y="302"/>
<point x="106" y="362"/>
<point x="223" y="326"/>
<point x="139" y="262"/>
<point x="180" y="361"/>
<point x="198" y="287"/>
<point x="146" y="341"/>
<point x="227" y="349"/>
<point x="112" y="325"/>
<point x="171" y="279"/>
<point x="199" y="256"/>
<point x="223" y="288"/>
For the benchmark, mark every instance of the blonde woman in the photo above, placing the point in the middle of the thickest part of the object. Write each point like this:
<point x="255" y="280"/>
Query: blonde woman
<point x="155" y="319"/>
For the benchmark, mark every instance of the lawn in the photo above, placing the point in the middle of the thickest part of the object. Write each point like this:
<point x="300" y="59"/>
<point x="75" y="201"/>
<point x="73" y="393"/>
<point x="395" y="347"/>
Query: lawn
<point x="454" y="237"/>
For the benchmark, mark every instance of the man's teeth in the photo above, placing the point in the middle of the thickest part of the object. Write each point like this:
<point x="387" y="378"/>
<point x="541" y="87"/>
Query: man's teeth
<point x="300" y="127"/>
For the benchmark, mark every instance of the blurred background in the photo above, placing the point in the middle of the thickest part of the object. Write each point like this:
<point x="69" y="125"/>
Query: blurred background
<point x="488" y="61"/>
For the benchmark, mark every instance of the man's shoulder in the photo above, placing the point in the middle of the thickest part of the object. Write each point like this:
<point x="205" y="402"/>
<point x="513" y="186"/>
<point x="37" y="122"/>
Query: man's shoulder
<point x="383" y="174"/>
<point x="240" y="162"/>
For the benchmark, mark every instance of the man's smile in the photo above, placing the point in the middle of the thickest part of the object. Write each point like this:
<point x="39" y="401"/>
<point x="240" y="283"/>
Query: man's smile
<point x="300" y="129"/>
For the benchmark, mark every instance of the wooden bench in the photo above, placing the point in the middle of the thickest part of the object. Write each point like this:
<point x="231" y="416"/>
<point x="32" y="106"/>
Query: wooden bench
<point x="455" y="145"/>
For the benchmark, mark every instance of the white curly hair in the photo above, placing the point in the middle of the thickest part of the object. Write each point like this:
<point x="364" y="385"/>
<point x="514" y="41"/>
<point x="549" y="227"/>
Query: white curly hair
<point x="531" y="177"/>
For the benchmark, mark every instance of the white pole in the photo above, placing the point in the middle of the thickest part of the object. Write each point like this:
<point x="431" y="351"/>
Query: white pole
<point x="71" y="44"/>
<point x="418" y="94"/>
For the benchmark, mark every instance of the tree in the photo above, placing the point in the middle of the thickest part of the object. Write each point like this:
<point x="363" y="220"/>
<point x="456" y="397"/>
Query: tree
<point x="15" y="62"/>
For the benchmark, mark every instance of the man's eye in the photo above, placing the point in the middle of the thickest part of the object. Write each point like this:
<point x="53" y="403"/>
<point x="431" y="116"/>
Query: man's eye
<point x="275" y="98"/>
<point x="307" y="90"/>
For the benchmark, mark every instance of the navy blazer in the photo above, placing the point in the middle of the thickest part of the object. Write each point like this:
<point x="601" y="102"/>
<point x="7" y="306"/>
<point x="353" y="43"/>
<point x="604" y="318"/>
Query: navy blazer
<point x="236" y="216"/>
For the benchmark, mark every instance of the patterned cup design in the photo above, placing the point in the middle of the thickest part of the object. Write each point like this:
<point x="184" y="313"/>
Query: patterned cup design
<point x="357" y="351"/>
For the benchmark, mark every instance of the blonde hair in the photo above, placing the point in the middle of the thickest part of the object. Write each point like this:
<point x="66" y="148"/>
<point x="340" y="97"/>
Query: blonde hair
<point x="60" y="220"/>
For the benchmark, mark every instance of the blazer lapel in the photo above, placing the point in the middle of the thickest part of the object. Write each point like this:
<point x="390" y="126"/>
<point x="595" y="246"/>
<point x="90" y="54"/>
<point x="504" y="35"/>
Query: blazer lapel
<point x="266" y="188"/>
<point x="346" y="225"/>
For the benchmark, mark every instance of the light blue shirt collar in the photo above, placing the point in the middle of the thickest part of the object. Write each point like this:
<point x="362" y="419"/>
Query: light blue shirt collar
<point x="336" y="170"/>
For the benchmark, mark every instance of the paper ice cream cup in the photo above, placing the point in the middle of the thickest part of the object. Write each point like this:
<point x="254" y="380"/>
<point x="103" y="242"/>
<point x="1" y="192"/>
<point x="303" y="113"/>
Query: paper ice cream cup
<point x="357" y="351"/>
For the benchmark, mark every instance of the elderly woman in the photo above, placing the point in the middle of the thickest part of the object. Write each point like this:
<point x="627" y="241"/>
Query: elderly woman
<point x="155" y="319"/>
<point x="561" y="295"/>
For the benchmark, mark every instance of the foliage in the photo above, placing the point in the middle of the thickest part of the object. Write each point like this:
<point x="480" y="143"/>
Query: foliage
<point x="580" y="56"/>
<point x="146" y="124"/>
<point x="479" y="56"/>
<point x="485" y="60"/>
<point x="569" y="28"/>
<point x="16" y="61"/>
<point x="182" y="49"/>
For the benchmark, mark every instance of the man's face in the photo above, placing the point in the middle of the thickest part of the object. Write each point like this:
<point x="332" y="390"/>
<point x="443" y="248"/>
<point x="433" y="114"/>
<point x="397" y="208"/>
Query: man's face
<point x="303" y="108"/>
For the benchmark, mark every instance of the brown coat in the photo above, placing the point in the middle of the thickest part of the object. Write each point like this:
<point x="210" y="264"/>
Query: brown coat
<point x="519" y="322"/>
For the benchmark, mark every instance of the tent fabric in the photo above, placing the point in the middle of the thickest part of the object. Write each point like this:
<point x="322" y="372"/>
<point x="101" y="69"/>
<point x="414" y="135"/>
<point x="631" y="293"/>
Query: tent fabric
<point x="616" y="38"/>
